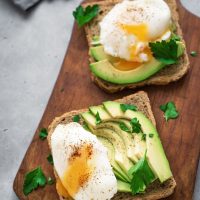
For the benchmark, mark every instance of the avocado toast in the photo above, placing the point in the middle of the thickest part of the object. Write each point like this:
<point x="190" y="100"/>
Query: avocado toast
<point x="111" y="116"/>
<point x="153" y="73"/>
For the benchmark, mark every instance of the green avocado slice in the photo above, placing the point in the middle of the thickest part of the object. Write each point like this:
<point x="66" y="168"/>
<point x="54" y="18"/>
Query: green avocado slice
<point x="155" y="152"/>
<point x="106" y="71"/>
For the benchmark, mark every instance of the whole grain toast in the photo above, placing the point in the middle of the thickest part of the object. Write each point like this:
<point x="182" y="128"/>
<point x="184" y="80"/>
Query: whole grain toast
<point x="141" y="100"/>
<point x="165" y="76"/>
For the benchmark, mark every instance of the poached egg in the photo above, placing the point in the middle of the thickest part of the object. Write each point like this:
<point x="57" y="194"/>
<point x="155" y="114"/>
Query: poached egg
<point x="127" y="29"/>
<point x="82" y="164"/>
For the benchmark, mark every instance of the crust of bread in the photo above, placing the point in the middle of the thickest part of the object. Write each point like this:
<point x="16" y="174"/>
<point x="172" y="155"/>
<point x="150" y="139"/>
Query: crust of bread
<point x="165" y="76"/>
<point x="141" y="100"/>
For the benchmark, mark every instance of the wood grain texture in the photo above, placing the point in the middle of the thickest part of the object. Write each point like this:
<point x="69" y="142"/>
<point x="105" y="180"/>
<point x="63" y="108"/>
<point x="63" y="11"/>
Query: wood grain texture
<point x="74" y="90"/>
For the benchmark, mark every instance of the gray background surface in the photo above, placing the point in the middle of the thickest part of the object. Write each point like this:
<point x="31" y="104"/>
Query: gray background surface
<point x="32" y="48"/>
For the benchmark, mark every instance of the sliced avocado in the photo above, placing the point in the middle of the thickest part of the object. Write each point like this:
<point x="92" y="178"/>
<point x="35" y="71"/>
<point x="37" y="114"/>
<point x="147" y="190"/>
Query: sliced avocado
<point x="89" y="118"/>
<point x="155" y="152"/>
<point x="113" y="108"/>
<point x="104" y="115"/>
<point x="181" y="48"/>
<point x="98" y="53"/>
<point x="106" y="71"/>
<point x="118" y="144"/>
<point x="111" y="155"/>
<point x="123" y="187"/>
<point x="126" y="137"/>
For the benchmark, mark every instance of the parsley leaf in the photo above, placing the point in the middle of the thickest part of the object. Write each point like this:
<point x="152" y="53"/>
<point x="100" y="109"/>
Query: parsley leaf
<point x="144" y="137"/>
<point x="85" y="126"/>
<point x="170" y="110"/>
<point x="125" y="107"/>
<point x="123" y="127"/>
<point x="98" y="119"/>
<point x="50" y="159"/>
<point x="193" y="53"/>
<point x="76" y="118"/>
<point x="165" y="51"/>
<point x="33" y="180"/>
<point x="142" y="176"/>
<point x="136" y="126"/>
<point x="50" y="181"/>
<point x="83" y="16"/>
<point x="43" y="133"/>
<point x="151" y="135"/>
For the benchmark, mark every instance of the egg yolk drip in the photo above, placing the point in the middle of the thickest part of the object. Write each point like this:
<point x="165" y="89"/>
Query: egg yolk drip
<point x="77" y="173"/>
<point x="140" y="31"/>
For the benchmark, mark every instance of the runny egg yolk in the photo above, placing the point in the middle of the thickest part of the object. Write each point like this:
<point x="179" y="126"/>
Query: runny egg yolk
<point x="140" y="31"/>
<point x="78" y="172"/>
<point x="125" y="65"/>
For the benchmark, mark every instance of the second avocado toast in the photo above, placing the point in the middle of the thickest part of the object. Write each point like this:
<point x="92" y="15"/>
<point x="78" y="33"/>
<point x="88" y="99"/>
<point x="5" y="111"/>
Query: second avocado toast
<point x="166" y="75"/>
<point x="110" y="118"/>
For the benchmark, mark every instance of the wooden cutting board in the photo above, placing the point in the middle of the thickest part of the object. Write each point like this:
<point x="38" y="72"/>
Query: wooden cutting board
<point x="74" y="90"/>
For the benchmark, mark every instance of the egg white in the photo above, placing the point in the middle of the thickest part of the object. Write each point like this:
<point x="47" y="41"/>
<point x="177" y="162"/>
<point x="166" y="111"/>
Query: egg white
<point x="155" y="14"/>
<point x="102" y="184"/>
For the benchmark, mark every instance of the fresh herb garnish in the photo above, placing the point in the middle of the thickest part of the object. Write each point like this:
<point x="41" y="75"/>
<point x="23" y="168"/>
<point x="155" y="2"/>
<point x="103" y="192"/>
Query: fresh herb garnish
<point x="151" y="135"/>
<point x="83" y="16"/>
<point x="76" y="118"/>
<point x="123" y="127"/>
<point x="98" y="119"/>
<point x="50" y="159"/>
<point x="43" y="134"/>
<point x="33" y="180"/>
<point x="50" y="181"/>
<point x="142" y="176"/>
<point x="193" y="53"/>
<point x="170" y="110"/>
<point x="85" y="126"/>
<point x="125" y="107"/>
<point x="144" y="137"/>
<point x="165" y="51"/>
<point x="136" y="126"/>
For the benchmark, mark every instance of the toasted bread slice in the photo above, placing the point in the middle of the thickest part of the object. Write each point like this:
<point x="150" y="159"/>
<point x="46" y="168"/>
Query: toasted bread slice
<point x="163" y="77"/>
<point x="141" y="100"/>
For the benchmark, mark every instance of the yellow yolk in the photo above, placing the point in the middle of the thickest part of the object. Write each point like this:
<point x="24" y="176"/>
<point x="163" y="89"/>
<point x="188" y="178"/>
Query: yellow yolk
<point x="61" y="189"/>
<point x="125" y="65"/>
<point x="77" y="173"/>
<point x="139" y="30"/>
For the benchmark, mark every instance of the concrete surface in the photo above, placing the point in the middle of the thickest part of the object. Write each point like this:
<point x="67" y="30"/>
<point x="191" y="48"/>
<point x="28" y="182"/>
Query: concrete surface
<point x="32" y="47"/>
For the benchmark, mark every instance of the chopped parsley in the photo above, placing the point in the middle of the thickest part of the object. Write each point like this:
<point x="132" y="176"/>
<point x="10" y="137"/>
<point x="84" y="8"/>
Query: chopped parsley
<point x="33" y="180"/>
<point x="123" y="127"/>
<point x="50" y="159"/>
<point x="50" y="181"/>
<point x="193" y="53"/>
<point x="151" y="135"/>
<point x="170" y="110"/>
<point x="85" y="15"/>
<point x="136" y="126"/>
<point x="142" y="176"/>
<point x="165" y="51"/>
<point x="85" y="126"/>
<point x="98" y="119"/>
<point x="125" y="107"/>
<point x="76" y="118"/>
<point x="43" y="134"/>
<point x="144" y="137"/>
